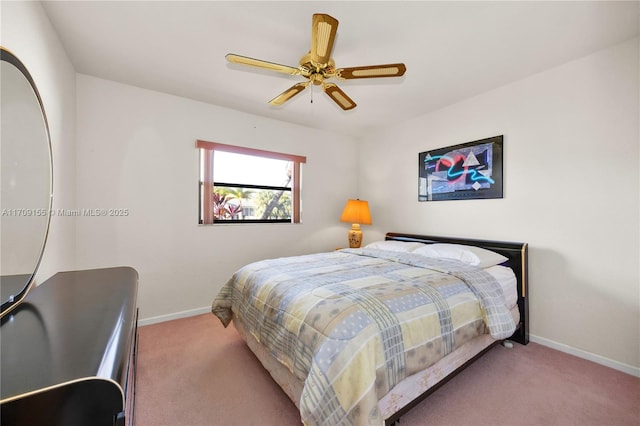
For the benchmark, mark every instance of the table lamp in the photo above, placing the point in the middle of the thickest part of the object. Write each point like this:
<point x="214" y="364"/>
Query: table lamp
<point x="356" y="212"/>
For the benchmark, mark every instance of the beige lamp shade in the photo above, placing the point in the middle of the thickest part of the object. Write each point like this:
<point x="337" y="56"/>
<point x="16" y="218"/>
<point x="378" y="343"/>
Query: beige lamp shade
<point x="357" y="213"/>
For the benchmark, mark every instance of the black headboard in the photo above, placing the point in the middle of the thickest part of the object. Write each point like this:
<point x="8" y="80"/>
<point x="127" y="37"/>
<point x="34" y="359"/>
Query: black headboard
<point x="517" y="254"/>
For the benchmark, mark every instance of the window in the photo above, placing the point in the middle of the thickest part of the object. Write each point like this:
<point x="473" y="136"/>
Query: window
<point x="245" y="185"/>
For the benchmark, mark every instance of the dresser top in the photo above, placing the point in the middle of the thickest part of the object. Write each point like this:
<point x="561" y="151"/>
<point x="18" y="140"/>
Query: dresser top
<point x="75" y="326"/>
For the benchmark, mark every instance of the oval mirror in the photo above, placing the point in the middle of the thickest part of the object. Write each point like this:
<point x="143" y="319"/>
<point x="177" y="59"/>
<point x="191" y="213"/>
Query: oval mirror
<point x="25" y="181"/>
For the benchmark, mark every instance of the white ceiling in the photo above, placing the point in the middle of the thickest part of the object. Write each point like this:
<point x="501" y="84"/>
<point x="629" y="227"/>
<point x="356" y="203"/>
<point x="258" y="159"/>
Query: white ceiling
<point x="452" y="50"/>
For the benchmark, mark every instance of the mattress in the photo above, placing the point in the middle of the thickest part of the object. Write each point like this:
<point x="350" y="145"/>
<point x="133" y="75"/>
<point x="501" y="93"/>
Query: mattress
<point x="507" y="280"/>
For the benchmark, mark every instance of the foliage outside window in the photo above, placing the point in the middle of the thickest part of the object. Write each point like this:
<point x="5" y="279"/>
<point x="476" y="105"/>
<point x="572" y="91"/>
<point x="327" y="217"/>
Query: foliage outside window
<point x="245" y="185"/>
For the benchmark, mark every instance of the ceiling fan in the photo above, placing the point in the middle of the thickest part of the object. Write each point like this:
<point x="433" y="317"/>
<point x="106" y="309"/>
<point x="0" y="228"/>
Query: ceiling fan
<point x="317" y="66"/>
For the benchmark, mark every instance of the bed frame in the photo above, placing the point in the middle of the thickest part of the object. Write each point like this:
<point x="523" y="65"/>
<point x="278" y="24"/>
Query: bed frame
<point x="517" y="255"/>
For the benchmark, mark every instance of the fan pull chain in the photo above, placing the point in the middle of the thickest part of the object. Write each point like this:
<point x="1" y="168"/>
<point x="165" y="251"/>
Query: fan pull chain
<point x="312" y="93"/>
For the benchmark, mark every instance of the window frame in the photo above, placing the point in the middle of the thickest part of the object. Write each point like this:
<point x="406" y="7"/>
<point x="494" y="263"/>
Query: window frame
<point x="207" y="183"/>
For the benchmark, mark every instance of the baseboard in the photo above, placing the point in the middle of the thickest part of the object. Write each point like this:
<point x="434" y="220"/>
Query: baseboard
<point x="625" y="368"/>
<point x="174" y="316"/>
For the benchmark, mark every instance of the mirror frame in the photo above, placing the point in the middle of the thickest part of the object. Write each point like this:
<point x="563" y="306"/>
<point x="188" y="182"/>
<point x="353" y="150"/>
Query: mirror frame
<point x="11" y="303"/>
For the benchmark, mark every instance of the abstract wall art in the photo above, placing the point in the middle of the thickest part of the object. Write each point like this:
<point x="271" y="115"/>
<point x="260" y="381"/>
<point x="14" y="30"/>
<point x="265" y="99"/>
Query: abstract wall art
<point x="471" y="170"/>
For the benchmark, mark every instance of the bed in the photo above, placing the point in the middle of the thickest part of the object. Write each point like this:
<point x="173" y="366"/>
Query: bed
<point x="360" y="336"/>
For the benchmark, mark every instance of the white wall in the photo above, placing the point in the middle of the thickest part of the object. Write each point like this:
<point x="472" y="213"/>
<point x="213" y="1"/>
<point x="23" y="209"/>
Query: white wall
<point x="136" y="150"/>
<point x="26" y="32"/>
<point x="571" y="185"/>
<point x="571" y="144"/>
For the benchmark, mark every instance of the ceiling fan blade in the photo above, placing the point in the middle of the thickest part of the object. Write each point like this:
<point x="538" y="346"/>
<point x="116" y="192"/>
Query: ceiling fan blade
<point x="244" y="60"/>
<point x="372" y="71"/>
<point x="338" y="96"/>
<point x="323" y="34"/>
<point x="289" y="93"/>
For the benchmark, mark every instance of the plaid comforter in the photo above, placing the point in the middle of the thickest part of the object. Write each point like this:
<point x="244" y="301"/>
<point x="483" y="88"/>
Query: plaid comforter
<point x="353" y="323"/>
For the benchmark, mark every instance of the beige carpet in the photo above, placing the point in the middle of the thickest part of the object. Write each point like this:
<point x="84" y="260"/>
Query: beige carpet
<point x="193" y="372"/>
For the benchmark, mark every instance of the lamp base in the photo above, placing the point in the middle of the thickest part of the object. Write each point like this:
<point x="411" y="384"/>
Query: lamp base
<point x="355" y="236"/>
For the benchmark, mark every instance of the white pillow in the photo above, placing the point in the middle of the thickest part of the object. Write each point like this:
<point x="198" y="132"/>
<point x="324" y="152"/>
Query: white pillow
<point x="389" y="245"/>
<point x="471" y="255"/>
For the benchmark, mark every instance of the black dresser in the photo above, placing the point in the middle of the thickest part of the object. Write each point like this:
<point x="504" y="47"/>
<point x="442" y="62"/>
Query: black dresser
<point x="68" y="351"/>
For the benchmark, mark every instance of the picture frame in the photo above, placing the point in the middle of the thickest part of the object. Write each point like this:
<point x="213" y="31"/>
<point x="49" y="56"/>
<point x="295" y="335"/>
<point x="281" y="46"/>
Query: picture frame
<point x="467" y="171"/>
